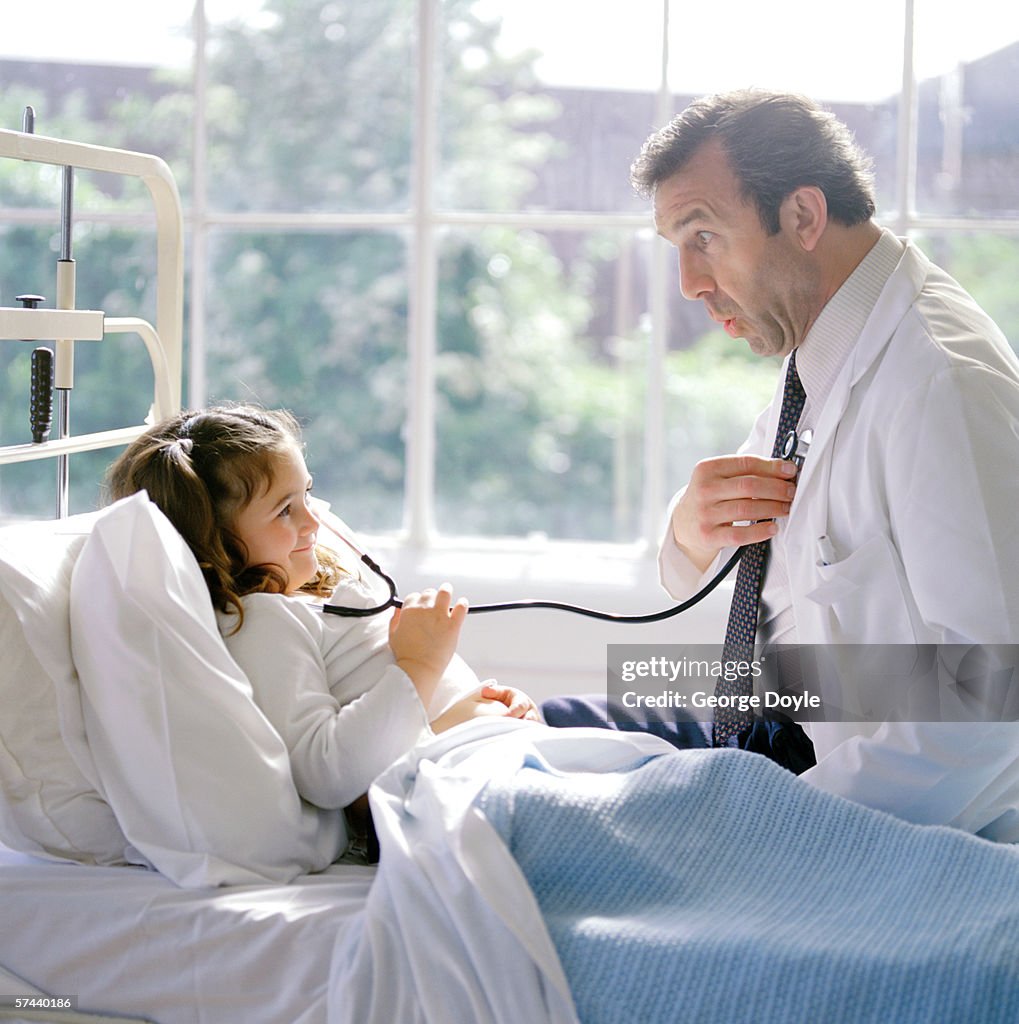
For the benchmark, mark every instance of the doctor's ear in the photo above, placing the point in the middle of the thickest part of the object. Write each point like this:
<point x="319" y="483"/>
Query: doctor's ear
<point x="804" y="212"/>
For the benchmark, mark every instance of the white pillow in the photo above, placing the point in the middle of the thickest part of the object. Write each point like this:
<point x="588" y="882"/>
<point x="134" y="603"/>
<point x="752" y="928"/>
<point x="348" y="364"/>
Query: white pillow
<point x="49" y="803"/>
<point x="198" y="778"/>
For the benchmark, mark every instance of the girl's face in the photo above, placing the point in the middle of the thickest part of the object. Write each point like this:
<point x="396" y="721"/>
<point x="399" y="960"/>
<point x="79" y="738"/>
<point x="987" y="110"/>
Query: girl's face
<point x="278" y="526"/>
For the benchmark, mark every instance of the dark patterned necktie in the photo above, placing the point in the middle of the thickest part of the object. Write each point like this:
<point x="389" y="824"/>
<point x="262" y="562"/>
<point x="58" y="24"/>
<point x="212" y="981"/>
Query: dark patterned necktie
<point x="741" y="632"/>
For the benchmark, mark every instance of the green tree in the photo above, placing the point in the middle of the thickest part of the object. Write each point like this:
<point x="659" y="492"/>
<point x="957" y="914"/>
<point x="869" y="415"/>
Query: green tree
<point x="312" y="110"/>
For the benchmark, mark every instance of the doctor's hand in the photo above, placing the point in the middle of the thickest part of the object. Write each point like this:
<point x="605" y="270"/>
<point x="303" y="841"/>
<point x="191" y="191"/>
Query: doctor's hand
<point x="728" y="490"/>
<point x="423" y="635"/>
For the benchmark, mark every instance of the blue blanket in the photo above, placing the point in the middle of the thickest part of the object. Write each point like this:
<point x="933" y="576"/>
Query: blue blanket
<point x="715" y="886"/>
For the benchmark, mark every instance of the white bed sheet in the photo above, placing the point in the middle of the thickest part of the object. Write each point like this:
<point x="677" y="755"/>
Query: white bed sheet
<point x="129" y="942"/>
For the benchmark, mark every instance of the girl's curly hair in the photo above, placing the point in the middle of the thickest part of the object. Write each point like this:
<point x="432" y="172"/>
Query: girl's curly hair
<point x="201" y="468"/>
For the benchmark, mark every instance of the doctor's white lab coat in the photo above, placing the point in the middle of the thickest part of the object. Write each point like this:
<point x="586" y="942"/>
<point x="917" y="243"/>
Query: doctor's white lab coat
<point x="912" y="478"/>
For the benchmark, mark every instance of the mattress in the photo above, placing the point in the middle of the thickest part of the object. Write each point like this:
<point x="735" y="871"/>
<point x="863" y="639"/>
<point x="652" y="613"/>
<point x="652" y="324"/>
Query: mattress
<point x="126" y="941"/>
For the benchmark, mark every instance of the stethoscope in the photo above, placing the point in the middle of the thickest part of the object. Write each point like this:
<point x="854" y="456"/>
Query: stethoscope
<point x="794" y="448"/>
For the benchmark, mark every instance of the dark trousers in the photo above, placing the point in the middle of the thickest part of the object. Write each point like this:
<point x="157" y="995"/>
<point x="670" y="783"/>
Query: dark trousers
<point x="779" y="739"/>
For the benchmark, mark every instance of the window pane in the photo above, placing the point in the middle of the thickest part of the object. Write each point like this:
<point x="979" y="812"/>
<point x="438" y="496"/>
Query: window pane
<point x="119" y="78"/>
<point x="541" y="371"/>
<point x="533" y="119"/>
<point x="310" y="104"/>
<point x="28" y="490"/>
<point x="778" y="47"/>
<point x="114" y="272"/>
<point x="317" y="324"/>
<point x="115" y="32"/>
<point x="783" y="45"/>
<point x="967" y="61"/>
<point x="714" y="389"/>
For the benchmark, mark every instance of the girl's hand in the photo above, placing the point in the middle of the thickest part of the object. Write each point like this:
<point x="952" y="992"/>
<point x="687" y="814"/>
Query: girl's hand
<point x="519" y="704"/>
<point x="423" y="635"/>
<point x="473" y="706"/>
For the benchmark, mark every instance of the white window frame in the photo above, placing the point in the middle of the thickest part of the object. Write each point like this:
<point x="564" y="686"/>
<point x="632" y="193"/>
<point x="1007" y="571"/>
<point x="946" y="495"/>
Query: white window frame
<point x="423" y="222"/>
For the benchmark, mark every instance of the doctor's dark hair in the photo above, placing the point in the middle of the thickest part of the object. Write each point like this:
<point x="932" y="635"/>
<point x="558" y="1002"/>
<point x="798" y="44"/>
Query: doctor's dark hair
<point x="775" y="143"/>
<point x="202" y="468"/>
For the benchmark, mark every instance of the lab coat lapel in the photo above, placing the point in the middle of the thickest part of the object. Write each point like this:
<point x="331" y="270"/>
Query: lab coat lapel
<point x="895" y="300"/>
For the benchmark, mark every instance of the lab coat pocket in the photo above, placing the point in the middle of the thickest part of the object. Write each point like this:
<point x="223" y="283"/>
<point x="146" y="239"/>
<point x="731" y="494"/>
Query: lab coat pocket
<point x="865" y="595"/>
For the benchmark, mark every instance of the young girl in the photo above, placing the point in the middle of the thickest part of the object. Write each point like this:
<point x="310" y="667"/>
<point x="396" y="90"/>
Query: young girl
<point x="347" y="695"/>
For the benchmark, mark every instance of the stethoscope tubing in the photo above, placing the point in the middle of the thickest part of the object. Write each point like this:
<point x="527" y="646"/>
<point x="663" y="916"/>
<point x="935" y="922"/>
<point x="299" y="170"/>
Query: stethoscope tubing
<point x="563" y="606"/>
<point x="795" y="448"/>
<point x="620" y="617"/>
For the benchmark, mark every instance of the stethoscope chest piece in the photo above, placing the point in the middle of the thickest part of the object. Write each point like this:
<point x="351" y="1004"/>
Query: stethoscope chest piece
<point x="795" y="446"/>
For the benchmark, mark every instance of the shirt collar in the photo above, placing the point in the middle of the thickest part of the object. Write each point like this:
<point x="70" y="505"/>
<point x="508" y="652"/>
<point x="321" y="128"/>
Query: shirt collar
<point x="831" y="338"/>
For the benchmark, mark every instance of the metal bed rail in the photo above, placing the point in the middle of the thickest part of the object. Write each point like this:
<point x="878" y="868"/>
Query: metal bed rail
<point x="65" y="326"/>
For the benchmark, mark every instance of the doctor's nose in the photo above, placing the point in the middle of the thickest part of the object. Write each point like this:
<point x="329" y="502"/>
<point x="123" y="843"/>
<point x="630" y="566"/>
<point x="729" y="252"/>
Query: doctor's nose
<point x="694" y="280"/>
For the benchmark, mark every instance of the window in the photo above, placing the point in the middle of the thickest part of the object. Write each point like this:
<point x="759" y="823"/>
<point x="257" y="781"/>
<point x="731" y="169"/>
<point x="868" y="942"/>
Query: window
<point x="411" y="223"/>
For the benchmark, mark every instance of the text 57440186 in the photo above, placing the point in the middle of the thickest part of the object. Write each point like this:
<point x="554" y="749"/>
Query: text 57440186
<point x="37" y="1002"/>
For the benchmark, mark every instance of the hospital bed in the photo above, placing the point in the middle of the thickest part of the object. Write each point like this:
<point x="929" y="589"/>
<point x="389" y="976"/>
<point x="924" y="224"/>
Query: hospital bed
<point x="527" y="874"/>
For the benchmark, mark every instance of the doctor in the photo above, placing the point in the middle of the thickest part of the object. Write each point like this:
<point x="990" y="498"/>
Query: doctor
<point x="902" y="526"/>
